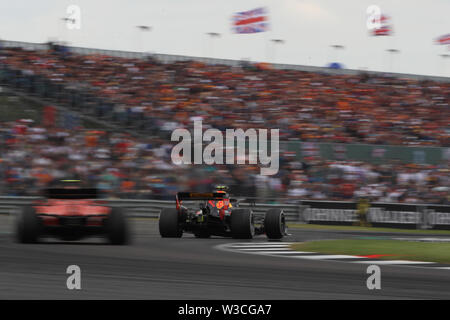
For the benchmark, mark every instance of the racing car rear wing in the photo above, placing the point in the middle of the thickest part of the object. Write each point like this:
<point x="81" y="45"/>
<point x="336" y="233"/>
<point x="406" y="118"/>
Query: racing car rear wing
<point x="193" y="196"/>
<point x="200" y="196"/>
<point x="78" y="193"/>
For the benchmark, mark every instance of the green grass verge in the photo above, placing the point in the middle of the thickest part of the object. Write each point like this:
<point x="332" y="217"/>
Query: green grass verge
<point x="370" y="229"/>
<point x="394" y="249"/>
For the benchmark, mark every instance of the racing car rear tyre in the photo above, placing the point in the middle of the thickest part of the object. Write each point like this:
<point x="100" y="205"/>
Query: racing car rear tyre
<point x="169" y="224"/>
<point x="117" y="227"/>
<point x="28" y="226"/>
<point x="242" y="224"/>
<point x="275" y="224"/>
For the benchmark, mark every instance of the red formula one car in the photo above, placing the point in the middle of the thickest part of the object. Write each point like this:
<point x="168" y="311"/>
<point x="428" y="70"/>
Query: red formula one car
<point x="71" y="213"/>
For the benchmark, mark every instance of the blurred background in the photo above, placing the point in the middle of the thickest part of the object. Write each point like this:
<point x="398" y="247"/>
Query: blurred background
<point x="93" y="90"/>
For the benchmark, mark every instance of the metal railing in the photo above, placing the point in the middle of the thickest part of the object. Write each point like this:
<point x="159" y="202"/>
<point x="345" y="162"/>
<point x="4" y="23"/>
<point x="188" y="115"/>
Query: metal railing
<point x="152" y="208"/>
<point x="420" y="216"/>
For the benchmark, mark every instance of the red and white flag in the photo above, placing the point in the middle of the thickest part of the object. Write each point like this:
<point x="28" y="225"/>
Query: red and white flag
<point x="251" y="21"/>
<point x="382" y="31"/>
<point x="445" y="39"/>
<point x="385" y="28"/>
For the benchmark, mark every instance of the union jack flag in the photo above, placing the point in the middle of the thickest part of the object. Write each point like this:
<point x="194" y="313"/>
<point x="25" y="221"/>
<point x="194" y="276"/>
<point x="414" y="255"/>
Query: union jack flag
<point x="382" y="31"/>
<point x="251" y="21"/>
<point x="385" y="28"/>
<point x="445" y="39"/>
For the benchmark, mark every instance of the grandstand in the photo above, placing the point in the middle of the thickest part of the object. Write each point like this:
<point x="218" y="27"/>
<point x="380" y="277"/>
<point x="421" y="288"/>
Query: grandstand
<point x="137" y="100"/>
<point x="170" y="58"/>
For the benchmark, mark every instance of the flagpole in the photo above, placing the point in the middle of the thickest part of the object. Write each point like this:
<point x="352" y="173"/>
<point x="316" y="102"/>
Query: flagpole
<point x="275" y="42"/>
<point x="212" y="35"/>
<point x="444" y="57"/>
<point x="391" y="58"/>
<point x="266" y="40"/>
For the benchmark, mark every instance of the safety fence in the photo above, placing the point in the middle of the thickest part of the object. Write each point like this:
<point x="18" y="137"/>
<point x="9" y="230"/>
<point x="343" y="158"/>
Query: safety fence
<point x="368" y="153"/>
<point x="415" y="216"/>
<point x="151" y="208"/>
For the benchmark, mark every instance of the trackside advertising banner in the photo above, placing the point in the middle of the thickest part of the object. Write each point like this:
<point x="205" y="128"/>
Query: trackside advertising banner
<point x="395" y="215"/>
<point x="377" y="214"/>
<point x="330" y="212"/>
<point x="438" y="216"/>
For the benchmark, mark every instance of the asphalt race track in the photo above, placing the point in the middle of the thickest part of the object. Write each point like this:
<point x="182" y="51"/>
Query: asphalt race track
<point x="190" y="268"/>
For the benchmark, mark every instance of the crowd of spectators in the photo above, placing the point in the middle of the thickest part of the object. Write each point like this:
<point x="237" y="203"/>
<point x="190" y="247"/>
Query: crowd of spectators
<point x="31" y="156"/>
<point x="305" y="106"/>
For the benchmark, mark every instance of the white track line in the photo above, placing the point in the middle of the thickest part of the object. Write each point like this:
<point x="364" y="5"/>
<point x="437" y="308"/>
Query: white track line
<point x="326" y="257"/>
<point x="424" y="239"/>
<point x="283" y="250"/>
<point x="258" y="247"/>
<point x="262" y="244"/>
<point x="393" y="262"/>
<point x="270" y="253"/>
<point x="290" y="251"/>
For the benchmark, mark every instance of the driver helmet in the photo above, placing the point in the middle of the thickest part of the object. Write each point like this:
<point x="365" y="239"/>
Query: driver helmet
<point x="221" y="189"/>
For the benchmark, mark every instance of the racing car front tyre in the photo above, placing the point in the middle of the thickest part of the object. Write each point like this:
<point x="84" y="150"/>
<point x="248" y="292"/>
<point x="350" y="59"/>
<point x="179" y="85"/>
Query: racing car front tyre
<point x="117" y="228"/>
<point x="275" y="224"/>
<point x="242" y="226"/>
<point x="169" y="224"/>
<point x="28" y="226"/>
